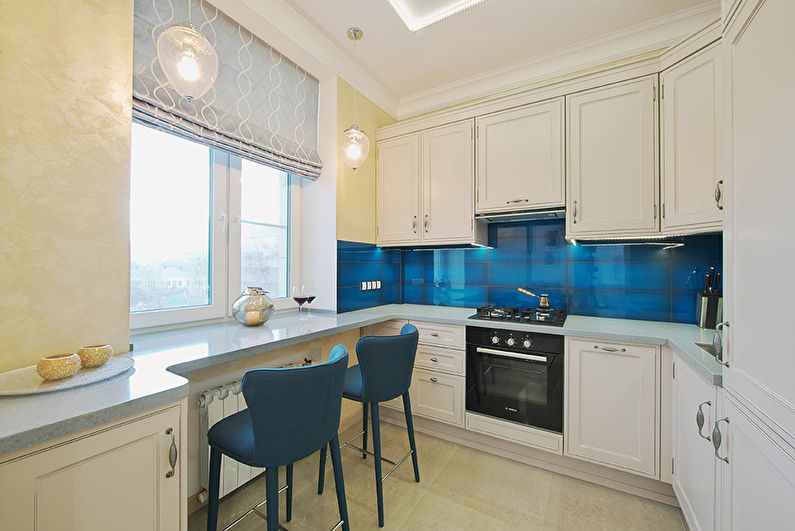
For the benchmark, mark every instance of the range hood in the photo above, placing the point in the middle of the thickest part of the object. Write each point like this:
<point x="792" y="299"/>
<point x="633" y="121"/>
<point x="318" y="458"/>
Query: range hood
<point x="522" y="215"/>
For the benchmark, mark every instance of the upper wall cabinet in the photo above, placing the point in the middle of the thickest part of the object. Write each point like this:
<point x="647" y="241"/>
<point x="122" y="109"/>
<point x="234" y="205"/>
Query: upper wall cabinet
<point x="612" y="160"/>
<point x="691" y="143"/>
<point x="520" y="158"/>
<point x="425" y="188"/>
<point x="398" y="189"/>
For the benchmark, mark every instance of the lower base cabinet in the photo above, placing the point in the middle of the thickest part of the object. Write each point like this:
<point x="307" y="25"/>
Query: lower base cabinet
<point x="694" y="467"/>
<point x="612" y="405"/>
<point x="118" y="477"/>
<point x="758" y="481"/>
<point x="438" y="396"/>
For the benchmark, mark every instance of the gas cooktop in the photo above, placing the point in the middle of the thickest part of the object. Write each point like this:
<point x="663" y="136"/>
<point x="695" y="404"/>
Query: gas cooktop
<point x="513" y="314"/>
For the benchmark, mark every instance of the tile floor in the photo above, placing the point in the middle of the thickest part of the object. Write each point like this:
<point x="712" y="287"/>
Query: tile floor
<point x="460" y="488"/>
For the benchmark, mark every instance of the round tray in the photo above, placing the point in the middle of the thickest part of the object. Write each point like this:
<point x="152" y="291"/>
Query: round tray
<point x="26" y="381"/>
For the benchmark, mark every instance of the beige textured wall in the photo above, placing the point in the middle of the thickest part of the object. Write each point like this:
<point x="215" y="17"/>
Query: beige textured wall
<point x="65" y="85"/>
<point x="356" y="189"/>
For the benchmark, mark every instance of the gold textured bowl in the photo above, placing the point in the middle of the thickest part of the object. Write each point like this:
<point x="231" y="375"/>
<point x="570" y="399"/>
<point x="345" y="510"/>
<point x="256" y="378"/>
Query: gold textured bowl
<point x="95" y="355"/>
<point x="58" y="366"/>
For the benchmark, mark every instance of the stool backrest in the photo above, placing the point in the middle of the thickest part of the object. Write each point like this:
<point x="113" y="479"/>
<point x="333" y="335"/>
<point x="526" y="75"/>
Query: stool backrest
<point x="386" y="363"/>
<point x="295" y="411"/>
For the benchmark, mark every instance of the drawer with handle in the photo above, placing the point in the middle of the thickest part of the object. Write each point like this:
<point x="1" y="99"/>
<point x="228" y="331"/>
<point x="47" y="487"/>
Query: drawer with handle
<point x="441" y="335"/>
<point x="438" y="396"/>
<point x="440" y="359"/>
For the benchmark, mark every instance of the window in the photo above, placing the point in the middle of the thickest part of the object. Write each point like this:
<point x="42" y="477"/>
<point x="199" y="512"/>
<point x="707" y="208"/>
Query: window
<point x="203" y="225"/>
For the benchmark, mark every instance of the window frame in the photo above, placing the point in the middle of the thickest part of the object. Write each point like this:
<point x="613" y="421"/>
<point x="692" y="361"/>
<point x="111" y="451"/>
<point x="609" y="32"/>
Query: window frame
<point x="225" y="216"/>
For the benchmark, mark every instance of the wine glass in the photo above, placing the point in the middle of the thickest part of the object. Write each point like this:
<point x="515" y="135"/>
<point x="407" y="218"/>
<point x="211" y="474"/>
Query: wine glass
<point x="299" y="298"/>
<point x="310" y="294"/>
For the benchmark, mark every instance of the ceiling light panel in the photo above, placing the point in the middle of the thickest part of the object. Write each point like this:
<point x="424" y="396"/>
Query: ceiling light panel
<point x="417" y="14"/>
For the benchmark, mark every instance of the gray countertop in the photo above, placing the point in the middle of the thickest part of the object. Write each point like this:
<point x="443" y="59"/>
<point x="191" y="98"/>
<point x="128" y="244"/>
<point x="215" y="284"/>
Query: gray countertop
<point x="162" y="357"/>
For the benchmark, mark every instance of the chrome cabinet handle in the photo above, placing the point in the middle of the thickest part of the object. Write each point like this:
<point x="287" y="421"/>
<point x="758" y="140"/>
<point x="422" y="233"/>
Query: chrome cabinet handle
<point x="574" y="213"/>
<point x="434" y="380"/>
<point x="717" y="438"/>
<point x="700" y="419"/>
<point x="610" y="349"/>
<point x="172" y="454"/>
<point x="414" y="225"/>
<point x="516" y="201"/>
<point x="427" y="223"/>
<point x="435" y="334"/>
<point x="718" y="195"/>
<point x="717" y="342"/>
<point x="435" y="360"/>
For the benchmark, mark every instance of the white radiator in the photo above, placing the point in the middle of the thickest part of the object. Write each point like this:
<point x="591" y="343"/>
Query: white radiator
<point x="216" y="404"/>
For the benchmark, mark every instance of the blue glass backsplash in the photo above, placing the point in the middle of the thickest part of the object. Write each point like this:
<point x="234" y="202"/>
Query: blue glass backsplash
<point x="633" y="282"/>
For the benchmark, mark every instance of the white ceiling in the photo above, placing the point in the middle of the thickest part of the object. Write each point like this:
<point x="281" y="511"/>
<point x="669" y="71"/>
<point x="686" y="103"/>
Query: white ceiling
<point x="489" y="35"/>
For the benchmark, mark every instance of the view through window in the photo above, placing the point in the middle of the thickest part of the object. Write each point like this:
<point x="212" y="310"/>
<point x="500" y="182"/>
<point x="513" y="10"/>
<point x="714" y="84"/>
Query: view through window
<point x="182" y="198"/>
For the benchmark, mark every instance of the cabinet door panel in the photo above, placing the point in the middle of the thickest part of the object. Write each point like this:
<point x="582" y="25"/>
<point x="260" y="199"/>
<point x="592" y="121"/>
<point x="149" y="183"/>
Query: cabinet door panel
<point x="756" y="248"/>
<point x="115" y="479"/>
<point x="398" y="187"/>
<point x="438" y="396"/>
<point x="694" y="475"/>
<point x="448" y="183"/>
<point x="612" y="154"/>
<point x="692" y="140"/>
<point x="612" y="405"/>
<point x="520" y="158"/>
<point x="759" y="480"/>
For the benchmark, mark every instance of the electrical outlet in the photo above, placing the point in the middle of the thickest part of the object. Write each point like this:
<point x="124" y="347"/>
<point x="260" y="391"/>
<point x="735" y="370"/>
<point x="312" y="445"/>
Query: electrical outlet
<point x="377" y="284"/>
<point x="363" y="286"/>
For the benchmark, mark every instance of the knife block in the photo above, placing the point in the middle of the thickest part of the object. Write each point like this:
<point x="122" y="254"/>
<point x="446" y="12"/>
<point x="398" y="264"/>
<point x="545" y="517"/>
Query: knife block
<point x="709" y="309"/>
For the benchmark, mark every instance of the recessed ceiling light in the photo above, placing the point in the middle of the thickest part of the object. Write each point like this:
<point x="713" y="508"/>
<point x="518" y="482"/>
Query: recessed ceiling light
<point x="416" y="14"/>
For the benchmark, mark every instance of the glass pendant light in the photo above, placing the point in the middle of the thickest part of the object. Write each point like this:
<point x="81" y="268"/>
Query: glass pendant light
<point x="354" y="144"/>
<point x="188" y="59"/>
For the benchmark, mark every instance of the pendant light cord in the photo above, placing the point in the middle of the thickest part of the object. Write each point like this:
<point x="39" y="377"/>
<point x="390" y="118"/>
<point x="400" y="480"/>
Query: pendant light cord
<point x="189" y="2"/>
<point x="354" y="88"/>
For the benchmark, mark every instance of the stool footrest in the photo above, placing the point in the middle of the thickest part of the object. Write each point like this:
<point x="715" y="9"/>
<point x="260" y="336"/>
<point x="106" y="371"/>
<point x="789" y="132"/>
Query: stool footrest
<point x="255" y="510"/>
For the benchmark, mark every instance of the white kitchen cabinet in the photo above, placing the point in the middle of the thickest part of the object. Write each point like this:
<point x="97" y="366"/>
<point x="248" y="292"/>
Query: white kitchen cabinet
<point x="694" y="464"/>
<point x="116" y="477"/>
<point x="757" y="253"/>
<point x="398" y="190"/>
<point x="520" y="158"/>
<point x="448" y="183"/>
<point x="612" y="404"/>
<point x="425" y="188"/>
<point x="692" y="143"/>
<point x="438" y="396"/>
<point x="612" y="149"/>
<point x="758" y="482"/>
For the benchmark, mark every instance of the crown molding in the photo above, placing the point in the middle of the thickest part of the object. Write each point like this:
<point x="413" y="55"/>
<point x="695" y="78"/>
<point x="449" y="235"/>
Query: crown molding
<point x="640" y="38"/>
<point x="292" y="33"/>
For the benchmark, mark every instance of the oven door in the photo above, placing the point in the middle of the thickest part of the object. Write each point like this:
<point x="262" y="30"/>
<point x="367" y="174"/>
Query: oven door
<point x="517" y="386"/>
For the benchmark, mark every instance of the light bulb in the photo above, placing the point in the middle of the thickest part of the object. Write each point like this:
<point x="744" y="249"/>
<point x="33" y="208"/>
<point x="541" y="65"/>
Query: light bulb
<point x="188" y="67"/>
<point x="188" y="60"/>
<point x="354" y="146"/>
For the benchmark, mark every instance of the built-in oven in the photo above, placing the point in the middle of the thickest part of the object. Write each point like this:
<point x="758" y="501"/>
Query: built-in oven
<point x="516" y="376"/>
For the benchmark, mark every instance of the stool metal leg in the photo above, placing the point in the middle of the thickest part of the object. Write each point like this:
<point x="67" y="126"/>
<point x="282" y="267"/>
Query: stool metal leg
<point x="321" y="473"/>
<point x="289" y="515"/>
<point x="410" y="430"/>
<point x="272" y="495"/>
<point x="214" y="481"/>
<point x="379" y="490"/>
<point x="364" y="429"/>
<point x="339" y="482"/>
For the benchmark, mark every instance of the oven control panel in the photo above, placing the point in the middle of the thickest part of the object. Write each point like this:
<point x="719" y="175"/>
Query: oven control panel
<point x="514" y="340"/>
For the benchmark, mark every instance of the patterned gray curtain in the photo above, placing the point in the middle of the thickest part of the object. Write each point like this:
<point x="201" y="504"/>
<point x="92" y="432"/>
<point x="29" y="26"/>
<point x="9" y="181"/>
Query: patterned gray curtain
<point x="262" y="107"/>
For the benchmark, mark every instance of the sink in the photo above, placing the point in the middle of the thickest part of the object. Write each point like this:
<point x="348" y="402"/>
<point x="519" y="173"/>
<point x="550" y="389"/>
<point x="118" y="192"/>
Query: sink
<point x="709" y="348"/>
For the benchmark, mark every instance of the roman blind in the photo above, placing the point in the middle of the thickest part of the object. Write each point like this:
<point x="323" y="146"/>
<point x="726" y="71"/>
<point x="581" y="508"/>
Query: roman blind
<point x="262" y="107"/>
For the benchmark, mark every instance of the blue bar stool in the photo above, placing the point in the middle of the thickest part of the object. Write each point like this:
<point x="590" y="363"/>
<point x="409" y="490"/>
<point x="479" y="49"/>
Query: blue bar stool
<point x="383" y="373"/>
<point x="291" y="414"/>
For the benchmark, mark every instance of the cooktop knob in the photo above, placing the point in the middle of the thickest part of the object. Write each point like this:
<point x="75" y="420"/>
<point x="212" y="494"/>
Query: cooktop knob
<point x="511" y="342"/>
<point x="495" y="339"/>
<point x="527" y="343"/>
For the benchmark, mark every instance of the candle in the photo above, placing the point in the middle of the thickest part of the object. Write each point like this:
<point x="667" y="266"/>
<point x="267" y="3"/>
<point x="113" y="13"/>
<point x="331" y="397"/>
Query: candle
<point x="252" y="318"/>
